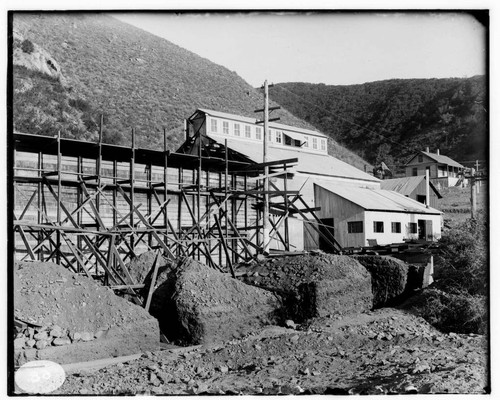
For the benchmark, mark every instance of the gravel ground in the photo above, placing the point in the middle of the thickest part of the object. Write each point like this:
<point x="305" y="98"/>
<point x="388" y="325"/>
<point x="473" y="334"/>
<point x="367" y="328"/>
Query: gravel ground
<point x="381" y="352"/>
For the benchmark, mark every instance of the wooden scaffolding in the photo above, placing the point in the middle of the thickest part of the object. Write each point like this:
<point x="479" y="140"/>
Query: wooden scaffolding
<point x="93" y="207"/>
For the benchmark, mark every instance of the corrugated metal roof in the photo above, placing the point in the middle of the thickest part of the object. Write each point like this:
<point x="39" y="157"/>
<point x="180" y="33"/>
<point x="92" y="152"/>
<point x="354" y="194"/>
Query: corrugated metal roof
<point x="273" y="125"/>
<point x="443" y="159"/>
<point x="379" y="199"/>
<point x="406" y="185"/>
<point x="320" y="164"/>
<point x="439" y="158"/>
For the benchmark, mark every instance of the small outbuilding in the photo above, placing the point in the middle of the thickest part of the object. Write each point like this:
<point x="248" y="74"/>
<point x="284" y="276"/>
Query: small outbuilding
<point x="360" y="217"/>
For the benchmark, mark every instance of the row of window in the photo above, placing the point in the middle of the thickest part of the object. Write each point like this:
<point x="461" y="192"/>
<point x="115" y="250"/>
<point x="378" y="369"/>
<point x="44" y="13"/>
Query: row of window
<point x="243" y="130"/>
<point x="378" y="227"/>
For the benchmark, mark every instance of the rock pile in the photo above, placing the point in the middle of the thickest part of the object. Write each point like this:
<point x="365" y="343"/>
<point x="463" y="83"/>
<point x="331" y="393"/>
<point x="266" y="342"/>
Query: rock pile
<point x="313" y="285"/>
<point x="197" y="304"/>
<point x="73" y="318"/>
<point x="392" y="280"/>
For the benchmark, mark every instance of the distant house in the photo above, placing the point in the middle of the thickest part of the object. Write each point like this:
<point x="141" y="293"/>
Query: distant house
<point x="362" y="217"/>
<point x="413" y="187"/>
<point x="245" y="137"/>
<point x="443" y="171"/>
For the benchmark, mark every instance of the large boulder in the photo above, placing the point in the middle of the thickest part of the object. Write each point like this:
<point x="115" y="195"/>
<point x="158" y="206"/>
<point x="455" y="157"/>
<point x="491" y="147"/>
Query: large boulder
<point x="313" y="285"/>
<point x="68" y="318"/>
<point x="389" y="279"/>
<point x="199" y="305"/>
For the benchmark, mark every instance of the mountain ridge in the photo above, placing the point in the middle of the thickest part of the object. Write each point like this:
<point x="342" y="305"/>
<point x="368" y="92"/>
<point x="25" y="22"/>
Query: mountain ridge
<point x="390" y="120"/>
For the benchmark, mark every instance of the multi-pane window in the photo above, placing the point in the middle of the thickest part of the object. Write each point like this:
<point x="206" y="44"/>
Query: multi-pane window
<point x="412" y="227"/>
<point x="213" y="125"/>
<point x="236" y="129"/>
<point x="355" y="227"/>
<point x="248" y="132"/>
<point x="315" y="143"/>
<point x="225" y="127"/>
<point x="414" y="171"/>
<point x="378" y="226"/>
<point x="420" y="158"/>
<point x="323" y="144"/>
<point x="278" y="136"/>
<point x="270" y="135"/>
<point x="396" y="227"/>
<point x="258" y="133"/>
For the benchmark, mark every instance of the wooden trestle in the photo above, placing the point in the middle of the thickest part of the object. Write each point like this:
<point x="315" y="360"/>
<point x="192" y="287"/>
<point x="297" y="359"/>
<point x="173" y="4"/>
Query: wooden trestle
<point x="92" y="207"/>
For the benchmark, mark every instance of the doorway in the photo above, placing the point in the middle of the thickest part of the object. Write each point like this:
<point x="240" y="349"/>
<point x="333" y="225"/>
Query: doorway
<point x="425" y="229"/>
<point x="326" y="229"/>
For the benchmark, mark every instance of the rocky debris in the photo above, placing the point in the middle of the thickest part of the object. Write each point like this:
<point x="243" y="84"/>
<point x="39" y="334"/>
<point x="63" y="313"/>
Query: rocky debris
<point x="197" y="304"/>
<point x="62" y="312"/>
<point x="335" y="359"/>
<point x="390" y="279"/>
<point x="313" y="285"/>
<point x="141" y="267"/>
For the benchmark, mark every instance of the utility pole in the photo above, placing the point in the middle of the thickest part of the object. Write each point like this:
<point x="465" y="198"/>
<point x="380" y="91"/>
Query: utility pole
<point x="473" y="196"/>
<point x="427" y="188"/>
<point x="265" y="232"/>
<point x="477" y="173"/>
<point x="265" y="216"/>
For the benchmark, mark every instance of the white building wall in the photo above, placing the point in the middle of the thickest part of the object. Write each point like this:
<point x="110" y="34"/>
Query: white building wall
<point x="387" y="237"/>
<point x="321" y="141"/>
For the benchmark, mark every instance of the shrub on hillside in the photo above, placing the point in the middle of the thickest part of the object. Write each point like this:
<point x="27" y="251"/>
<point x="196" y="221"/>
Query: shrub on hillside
<point x="462" y="263"/>
<point x="460" y="313"/>
<point x="457" y="301"/>
<point x="27" y="46"/>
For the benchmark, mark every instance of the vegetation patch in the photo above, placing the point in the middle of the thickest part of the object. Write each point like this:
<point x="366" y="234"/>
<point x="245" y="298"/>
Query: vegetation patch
<point x="460" y="313"/>
<point x="457" y="301"/>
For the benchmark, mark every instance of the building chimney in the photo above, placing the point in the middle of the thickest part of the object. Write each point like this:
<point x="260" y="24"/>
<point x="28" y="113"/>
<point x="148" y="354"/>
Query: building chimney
<point x="186" y="129"/>
<point x="427" y="149"/>
<point x="437" y="151"/>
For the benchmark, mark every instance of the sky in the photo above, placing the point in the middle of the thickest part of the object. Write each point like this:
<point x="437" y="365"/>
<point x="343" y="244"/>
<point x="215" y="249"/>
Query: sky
<point x="331" y="48"/>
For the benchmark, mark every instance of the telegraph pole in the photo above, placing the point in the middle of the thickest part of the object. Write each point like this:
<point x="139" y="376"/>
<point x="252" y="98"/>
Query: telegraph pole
<point x="265" y="216"/>
<point x="265" y="231"/>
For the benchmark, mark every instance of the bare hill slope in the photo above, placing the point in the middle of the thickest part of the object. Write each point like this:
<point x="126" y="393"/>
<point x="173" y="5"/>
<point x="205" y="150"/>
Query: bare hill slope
<point x="137" y="80"/>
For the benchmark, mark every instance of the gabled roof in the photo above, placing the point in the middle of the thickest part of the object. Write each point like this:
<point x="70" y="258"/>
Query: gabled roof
<point x="311" y="163"/>
<point x="439" y="158"/>
<point x="379" y="199"/>
<point x="248" y="120"/>
<point x="406" y="185"/>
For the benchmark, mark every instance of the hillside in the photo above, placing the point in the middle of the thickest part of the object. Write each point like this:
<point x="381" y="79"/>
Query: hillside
<point x="133" y="78"/>
<point x="389" y="120"/>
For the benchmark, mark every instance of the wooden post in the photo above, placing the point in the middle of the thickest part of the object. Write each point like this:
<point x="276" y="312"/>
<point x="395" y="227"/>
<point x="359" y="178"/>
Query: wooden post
<point x="132" y="179"/>
<point x="59" y="162"/>
<point x="165" y="184"/>
<point x="153" y="281"/>
<point x="198" y="186"/>
<point x="473" y="196"/>
<point x="478" y="182"/>
<point x="79" y="197"/>
<point x="265" y="216"/>
<point x="287" y="234"/>
<point x="226" y="178"/>
<point x="39" y="203"/>
<point x="427" y="188"/>
<point x="99" y="165"/>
